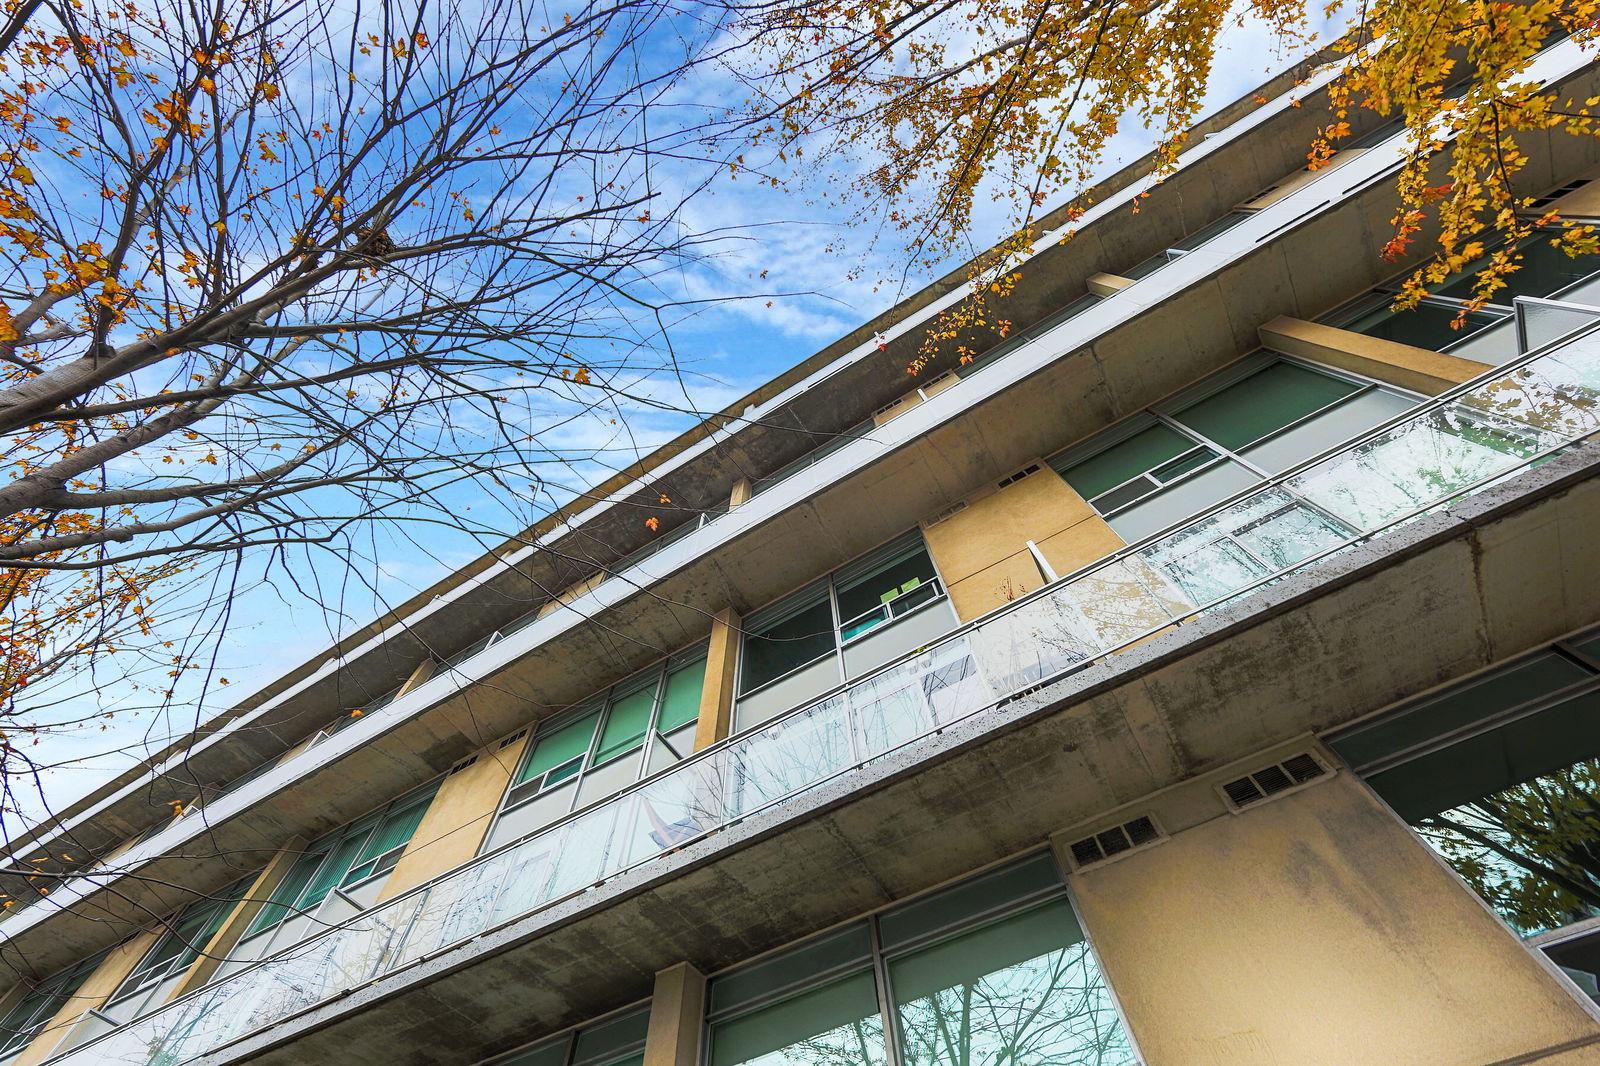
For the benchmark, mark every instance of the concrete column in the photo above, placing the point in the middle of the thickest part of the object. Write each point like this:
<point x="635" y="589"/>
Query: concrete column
<point x="1107" y="284"/>
<point x="716" y="698"/>
<point x="453" y="827"/>
<point x="232" y="930"/>
<point x="677" y="1013"/>
<point x="1402" y="365"/>
<point x="1316" y="929"/>
<point x="113" y="970"/>
<point x="982" y="551"/>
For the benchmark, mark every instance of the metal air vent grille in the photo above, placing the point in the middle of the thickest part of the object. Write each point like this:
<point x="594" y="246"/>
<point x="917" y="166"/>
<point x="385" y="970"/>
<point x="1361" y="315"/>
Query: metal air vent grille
<point x="1032" y="468"/>
<point x="1117" y="840"/>
<point x="1273" y="779"/>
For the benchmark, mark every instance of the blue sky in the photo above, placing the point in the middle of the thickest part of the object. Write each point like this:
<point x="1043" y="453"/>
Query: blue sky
<point x="725" y="348"/>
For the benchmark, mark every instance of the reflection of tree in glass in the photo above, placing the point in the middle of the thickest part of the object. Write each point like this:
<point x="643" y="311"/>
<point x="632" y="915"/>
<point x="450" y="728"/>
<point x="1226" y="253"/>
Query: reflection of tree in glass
<point x="1052" y="1010"/>
<point x="1533" y="850"/>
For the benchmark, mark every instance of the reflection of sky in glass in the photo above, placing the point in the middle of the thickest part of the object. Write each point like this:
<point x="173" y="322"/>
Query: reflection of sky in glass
<point x="1022" y="992"/>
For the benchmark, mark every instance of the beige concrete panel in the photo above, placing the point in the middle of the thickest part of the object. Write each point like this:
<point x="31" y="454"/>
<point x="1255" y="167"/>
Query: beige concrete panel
<point x="458" y="818"/>
<point x="1009" y="579"/>
<point x="1084" y="542"/>
<point x="741" y="492"/>
<point x="1411" y="368"/>
<point x="889" y="412"/>
<point x="1316" y="930"/>
<point x="716" y="698"/>
<point x="232" y="930"/>
<point x="938" y="383"/>
<point x="1583" y="202"/>
<point x="112" y="971"/>
<point x="1297" y="180"/>
<point x="994" y="527"/>
<point x="1107" y="284"/>
<point x="677" y="1007"/>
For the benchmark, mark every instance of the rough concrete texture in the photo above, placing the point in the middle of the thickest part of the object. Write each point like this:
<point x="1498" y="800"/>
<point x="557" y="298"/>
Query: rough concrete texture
<point x="1316" y="930"/>
<point x="1314" y="651"/>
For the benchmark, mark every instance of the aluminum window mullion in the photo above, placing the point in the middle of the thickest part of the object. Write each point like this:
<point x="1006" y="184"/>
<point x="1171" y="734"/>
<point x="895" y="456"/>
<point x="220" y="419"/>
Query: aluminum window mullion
<point x="1228" y="453"/>
<point x="589" y="753"/>
<point x="886" y="1011"/>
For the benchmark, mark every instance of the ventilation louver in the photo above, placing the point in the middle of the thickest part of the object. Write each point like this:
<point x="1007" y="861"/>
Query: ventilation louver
<point x="512" y="739"/>
<point x="462" y="765"/>
<point x="1271" y="780"/>
<point x="949" y="512"/>
<point x="1018" y="476"/>
<point x="1114" y="841"/>
<point x="1552" y="197"/>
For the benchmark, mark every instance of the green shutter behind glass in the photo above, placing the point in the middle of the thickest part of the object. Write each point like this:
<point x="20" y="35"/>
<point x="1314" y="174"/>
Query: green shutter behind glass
<point x="394" y="831"/>
<point x="559" y="746"/>
<point x="681" y="704"/>
<point x="626" y="723"/>
<point x="1126" y="459"/>
<point x="333" y="871"/>
<point x="288" y="891"/>
<point x="1265" y="401"/>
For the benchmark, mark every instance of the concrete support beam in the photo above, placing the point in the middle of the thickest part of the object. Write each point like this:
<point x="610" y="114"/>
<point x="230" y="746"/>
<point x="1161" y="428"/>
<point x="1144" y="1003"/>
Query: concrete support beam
<point x="1402" y="365"/>
<point x="1316" y="929"/>
<point x="113" y="970"/>
<point x="233" y="929"/>
<point x="716" y="698"/>
<point x="677" y="1012"/>
<point x="452" y="830"/>
<point x="1107" y="284"/>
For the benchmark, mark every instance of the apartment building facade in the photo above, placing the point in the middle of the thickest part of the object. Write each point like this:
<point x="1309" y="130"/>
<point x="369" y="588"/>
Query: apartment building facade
<point x="1207" y="672"/>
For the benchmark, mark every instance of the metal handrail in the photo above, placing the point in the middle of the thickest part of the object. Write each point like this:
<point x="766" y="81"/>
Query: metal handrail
<point x="1441" y="402"/>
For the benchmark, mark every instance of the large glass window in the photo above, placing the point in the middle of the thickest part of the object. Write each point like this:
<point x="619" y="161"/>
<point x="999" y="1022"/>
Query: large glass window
<point x="993" y="972"/>
<point x="1442" y="323"/>
<point x="616" y="1041"/>
<point x="853" y="621"/>
<point x="1501" y="776"/>
<point x="157" y="975"/>
<point x="1220" y="438"/>
<point x="24" y="1022"/>
<point x="627" y="732"/>
<point x="338" y="876"/>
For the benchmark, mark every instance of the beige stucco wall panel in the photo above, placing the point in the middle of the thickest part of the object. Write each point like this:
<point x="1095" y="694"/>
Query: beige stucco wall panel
<point x="716" y="697"/>
<point x="1080" y="544"/>
<point x="993" y="527"/>
<point x="453" y="828"/>
<point x="1011" y="578"/>
<point x="1315" y="930"/>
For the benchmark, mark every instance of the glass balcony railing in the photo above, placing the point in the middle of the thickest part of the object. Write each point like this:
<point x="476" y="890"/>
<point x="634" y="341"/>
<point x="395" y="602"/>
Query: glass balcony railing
<point x="1437" y="453"/>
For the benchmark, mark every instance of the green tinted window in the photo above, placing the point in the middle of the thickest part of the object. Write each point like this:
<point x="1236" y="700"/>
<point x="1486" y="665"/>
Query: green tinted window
<point x="1126" y="459"/>
<point x="836" y="1025"/>
<point x="1029" y="981"/>
<point x="1454" y="710"/>
<point x="873" y="589"/>
<point x="681" y="704"/>
<point x="333" y="871"/>
<point x="289" y="889"/>
<point x="558" y="746"/>
<point x="626" y="723"/>
<point x="782" y="646"/>
<point x="1265" y="401"/>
